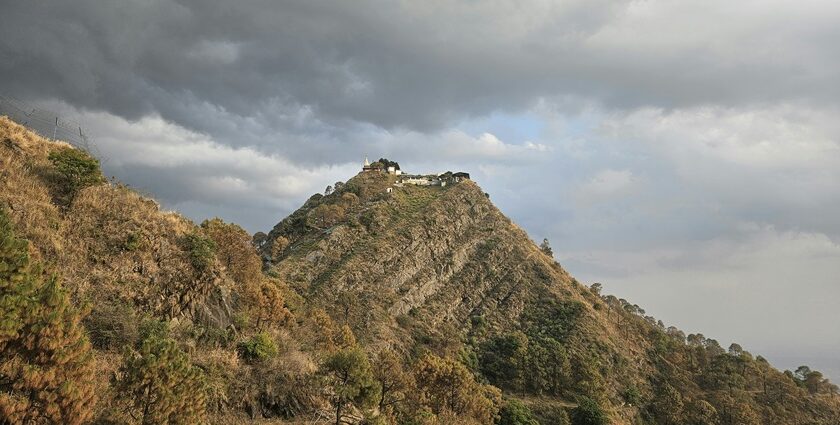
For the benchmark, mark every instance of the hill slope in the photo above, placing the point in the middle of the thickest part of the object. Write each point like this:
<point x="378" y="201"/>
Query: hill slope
<point x="408" y="306"/>
<point x="442" y="269"/>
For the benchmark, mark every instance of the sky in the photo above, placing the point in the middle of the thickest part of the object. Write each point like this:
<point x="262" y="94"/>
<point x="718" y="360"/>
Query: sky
<point x="684" y="154"/>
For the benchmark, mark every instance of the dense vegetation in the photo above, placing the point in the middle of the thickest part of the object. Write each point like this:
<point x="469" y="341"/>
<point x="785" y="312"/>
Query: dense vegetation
<point x="45" y="358"/>
<point x="420" y="306"/>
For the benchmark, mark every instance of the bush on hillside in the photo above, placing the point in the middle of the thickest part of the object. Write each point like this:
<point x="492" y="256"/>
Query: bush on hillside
<point x="588" y="412"/>
<point x="515" y="413"/>
<point x="75" y="170"/>
<point x="201" y="250"/>
<point x="632" y="395"/>
<point x="551" y="414"/>
<point x="258" y="348"/>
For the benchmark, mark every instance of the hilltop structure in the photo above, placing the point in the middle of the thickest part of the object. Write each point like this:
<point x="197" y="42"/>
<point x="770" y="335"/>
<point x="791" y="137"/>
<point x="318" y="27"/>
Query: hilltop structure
<point x="368" y="167"/>
<point x="441" y="179"/>
<point x="381" y="166"/>
<point x="390" y="167"/>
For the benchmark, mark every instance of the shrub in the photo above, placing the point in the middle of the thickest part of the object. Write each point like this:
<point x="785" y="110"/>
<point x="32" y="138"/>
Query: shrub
<point x="258" y="348"/>
<point x="152" y="327"/>
<point x="132" y="242"/>
<point x="368" y="218"/>
<point x="515" y="413"/>
<point x="631" y="395"/>
<point x="588" y="412"/>
<point x="201" y="250"/>
<point x="75" y="170"/>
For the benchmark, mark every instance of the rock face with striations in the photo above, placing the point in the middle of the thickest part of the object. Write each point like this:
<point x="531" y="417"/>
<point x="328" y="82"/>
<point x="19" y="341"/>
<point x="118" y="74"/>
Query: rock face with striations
<point x="443" y="253"/>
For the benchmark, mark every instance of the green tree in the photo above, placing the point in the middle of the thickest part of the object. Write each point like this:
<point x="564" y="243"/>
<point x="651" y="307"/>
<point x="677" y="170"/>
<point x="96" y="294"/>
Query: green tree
<point x="388" y="163"/>
<point x="588" y="412"/>
<point x="545" y="367"/>
<point x="159" y="383"/>
<point x="393" y="381"/>
<point x="352" y="382"/>
<point x="668" y="405"/>
<point x="75" y="170"/>
<point x="501" y="358"/>
<point x="447" y="387"/>
<point x="46" y="370"/>
<point x="515" y="413"/>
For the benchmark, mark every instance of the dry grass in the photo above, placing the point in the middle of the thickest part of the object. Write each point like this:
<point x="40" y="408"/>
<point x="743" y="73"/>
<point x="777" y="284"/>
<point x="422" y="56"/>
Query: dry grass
<point x="23" y="191"/>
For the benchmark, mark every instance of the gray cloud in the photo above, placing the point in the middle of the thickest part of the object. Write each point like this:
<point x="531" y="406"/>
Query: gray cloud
<point x="419" y="66"/>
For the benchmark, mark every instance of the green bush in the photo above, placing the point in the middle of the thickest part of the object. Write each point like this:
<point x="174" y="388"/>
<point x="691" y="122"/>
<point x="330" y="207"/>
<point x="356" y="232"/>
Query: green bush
<point x="152" y="328"/>
<point x="500" y="359"/>
<point x="515" y="413"/>
<point x="588" y="412"/>
<point x="257" y="349"/>
<point x="201" y="250"/>
<point x="552" y="318"/>
<point x="75" y="170"/>
<point x="632" y="396"/>
<point x="132" y="242"/>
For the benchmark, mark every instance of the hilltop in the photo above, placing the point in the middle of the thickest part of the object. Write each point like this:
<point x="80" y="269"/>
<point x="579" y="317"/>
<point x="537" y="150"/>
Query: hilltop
<point x="378" y="302"/>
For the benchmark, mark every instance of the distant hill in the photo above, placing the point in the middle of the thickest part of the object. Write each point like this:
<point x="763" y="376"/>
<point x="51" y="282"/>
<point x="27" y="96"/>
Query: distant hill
<point x="379" y="302"/>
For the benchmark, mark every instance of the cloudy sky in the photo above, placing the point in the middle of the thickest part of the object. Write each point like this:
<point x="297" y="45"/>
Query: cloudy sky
<point x="686" y="154"/>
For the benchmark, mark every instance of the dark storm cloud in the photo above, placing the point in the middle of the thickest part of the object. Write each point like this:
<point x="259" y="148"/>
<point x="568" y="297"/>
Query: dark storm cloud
<point x="418" y="65"/>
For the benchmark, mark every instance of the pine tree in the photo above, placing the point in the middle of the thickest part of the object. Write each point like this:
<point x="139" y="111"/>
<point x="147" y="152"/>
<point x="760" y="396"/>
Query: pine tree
<point x="160" y="384"/>
<point x="351" y="380"/>
<point x="446" y="386"/>
<point x="393" y="380"/>
<point x="45" y="359"/>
